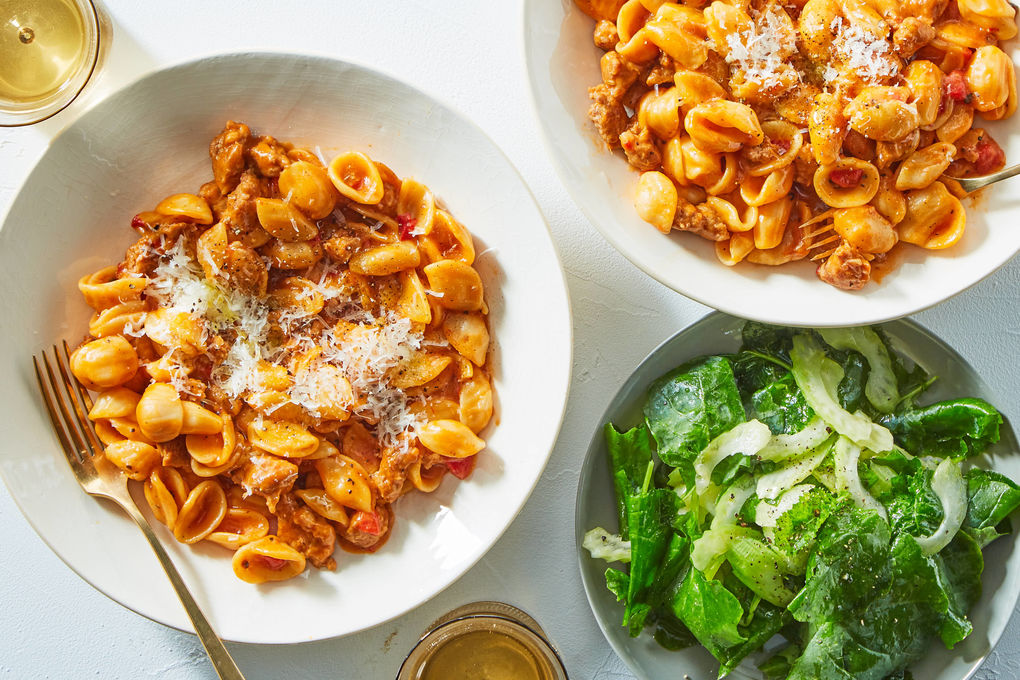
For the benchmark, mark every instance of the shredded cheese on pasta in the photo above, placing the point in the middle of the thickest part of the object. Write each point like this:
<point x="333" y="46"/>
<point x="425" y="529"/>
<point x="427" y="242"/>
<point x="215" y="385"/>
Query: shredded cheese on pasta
<point x="364" y="355"/>
<point x="860" y="52"/>
<point x="763" y="52"/>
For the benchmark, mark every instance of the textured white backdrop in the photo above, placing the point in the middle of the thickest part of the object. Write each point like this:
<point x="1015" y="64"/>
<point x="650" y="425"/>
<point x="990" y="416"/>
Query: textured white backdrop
<point x="467" y="53"/>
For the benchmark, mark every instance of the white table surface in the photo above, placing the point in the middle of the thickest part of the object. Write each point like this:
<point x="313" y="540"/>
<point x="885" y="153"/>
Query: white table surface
<point x="467" y="53"/>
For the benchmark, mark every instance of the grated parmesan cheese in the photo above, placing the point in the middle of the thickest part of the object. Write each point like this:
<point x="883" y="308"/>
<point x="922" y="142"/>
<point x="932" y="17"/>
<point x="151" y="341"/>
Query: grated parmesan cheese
<point x="363" y="354"/>
<point x="860" y="52"/>
<point x="763" y="52"/>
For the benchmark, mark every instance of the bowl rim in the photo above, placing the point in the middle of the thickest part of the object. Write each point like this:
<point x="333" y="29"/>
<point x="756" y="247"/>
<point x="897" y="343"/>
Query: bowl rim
<point x="565" y="379"/>
<point x="620" y="243"/>
<point x="595" y="443"/>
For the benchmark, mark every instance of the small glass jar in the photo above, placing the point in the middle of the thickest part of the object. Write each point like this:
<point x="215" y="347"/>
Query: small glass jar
<point x="49" y="51"/>
<point x="484" y="640"/>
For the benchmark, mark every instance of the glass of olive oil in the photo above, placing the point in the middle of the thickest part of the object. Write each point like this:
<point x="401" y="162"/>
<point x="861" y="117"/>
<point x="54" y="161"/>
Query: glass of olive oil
<point x="48" y="52"/>
<point x="484" y="641"/>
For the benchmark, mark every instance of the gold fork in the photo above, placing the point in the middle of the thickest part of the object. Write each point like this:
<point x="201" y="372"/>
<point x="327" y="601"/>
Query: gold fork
<point x="68" y="405"/>
<point x="971" y="184"/>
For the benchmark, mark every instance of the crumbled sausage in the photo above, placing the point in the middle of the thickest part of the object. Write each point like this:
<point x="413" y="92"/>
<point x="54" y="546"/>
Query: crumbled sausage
<point x="911" y="35"/>
<point x="640" y="148"/>
<point x="216" y="199"/>
<point x="340" y="247"/>
<point x="305" y="531"/>
<point x="392" y="472"/>
<point x="661" y="71"/>
<point x="269" y="156"/>
<point x="618" y="74"/>
<point x="605" y="35"/>
<point x="227" y="152"/>
<point x="245" y="270"/>
<point x="846" y="268"/>
<point x="267" y="475"/>
<point x="607" y="113"/>
<point x="700" y="219"/>
<point x="239" y="214"/>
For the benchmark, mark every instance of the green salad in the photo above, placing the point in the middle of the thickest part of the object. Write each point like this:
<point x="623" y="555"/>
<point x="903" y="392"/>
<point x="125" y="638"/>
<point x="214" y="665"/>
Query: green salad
<point x="798" y="488"/>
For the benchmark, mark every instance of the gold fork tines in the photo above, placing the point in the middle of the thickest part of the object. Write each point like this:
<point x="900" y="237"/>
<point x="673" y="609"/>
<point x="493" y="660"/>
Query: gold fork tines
<point x="68" y="406"/>
<point x="822" y="235"/>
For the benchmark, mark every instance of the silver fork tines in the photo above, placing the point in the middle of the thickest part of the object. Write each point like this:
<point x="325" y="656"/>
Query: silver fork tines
<point x="68" y="405"/>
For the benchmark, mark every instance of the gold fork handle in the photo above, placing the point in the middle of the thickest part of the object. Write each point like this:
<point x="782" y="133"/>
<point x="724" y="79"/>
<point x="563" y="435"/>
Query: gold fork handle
<point x="218" y="654"/>
<point x="974" y="183"/>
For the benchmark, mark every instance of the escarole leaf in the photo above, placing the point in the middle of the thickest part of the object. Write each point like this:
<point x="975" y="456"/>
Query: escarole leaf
<point x="603" y="545"/>
<point x="782" y="406"/>
<point x="785" y="446"/>
<point x="846" y="458"/>
<point x="767" y="513"/>
<point x="949" y="485"/>
<point x="881" y="386"/>
<point x="689" y="407"/>
<point x="761" y="568"/>
<point x="853" y="542"/>
<point x="818" y="378"/>
<point x="957" y="428"/>
<point x="711" y="612"/>
<point x="651" y="514"/>
<point x="793" y="472"/>
<point x="991" y="498"/>
<point x="746" y="438"/>
<point x="768" y="620"/>
<point x="796" y="528"/>
<point x="629" y="456"/>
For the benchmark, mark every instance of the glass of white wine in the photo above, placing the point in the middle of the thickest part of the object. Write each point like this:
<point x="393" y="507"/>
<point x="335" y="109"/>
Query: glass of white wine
<point x="483" y="640"/>
<point x="49" y="50"/>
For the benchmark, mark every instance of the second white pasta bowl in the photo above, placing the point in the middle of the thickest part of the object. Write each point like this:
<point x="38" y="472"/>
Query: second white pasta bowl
<point x="563" y="63"/>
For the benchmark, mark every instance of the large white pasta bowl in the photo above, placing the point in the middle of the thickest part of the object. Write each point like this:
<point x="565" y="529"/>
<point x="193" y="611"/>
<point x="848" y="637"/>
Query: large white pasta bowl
<point x="150" y="140"/>
<point x="563" y="63"/>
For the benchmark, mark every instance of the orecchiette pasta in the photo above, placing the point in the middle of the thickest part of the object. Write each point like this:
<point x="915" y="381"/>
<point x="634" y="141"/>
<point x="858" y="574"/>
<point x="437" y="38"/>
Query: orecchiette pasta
<point x="752" y="121"/>
<point x="286" y="352"/>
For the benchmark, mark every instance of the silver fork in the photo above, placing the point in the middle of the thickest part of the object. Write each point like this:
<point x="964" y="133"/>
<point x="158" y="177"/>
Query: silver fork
<point x="970" y="184"/>
<point x="68" y="405"/>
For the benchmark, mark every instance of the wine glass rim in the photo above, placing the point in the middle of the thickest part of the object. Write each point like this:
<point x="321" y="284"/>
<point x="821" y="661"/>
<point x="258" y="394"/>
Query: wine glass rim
<point x="92" y="30"/>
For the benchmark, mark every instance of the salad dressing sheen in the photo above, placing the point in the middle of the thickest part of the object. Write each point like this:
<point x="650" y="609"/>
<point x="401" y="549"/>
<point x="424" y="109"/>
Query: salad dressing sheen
<point x="484" y="655"/>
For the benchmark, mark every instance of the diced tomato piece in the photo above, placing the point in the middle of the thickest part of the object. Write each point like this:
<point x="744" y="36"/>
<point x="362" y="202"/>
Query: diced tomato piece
<point x="274" y="563"/>
<point x="990" y="157"/>
<point x="847" y="178"/>
<point x="460" y="467"/>
<point x="366" y="523"/>
<point x="407" y="225"/>
<point x="955" y="84"/>
<point x="138" y="224"/>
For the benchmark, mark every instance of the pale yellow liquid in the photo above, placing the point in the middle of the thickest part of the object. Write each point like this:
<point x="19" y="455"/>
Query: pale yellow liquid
<point x="42" y="45"/>
<point x="484" y="655"/>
